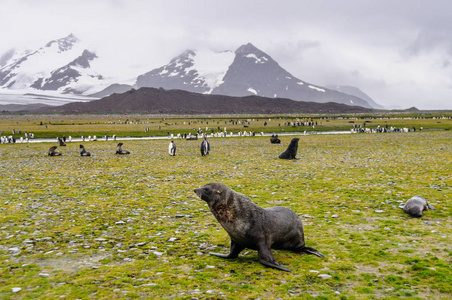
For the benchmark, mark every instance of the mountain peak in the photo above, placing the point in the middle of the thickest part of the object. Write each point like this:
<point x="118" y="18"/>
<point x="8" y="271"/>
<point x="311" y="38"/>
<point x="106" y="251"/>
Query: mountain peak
<point x="65" y="43"/>
<point x="186" y="55"/>
<point x="247" y="48"/>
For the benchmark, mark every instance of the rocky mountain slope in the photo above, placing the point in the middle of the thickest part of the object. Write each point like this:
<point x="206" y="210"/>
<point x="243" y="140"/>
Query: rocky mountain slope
<point x="62" y="66"/>
<point x="247" y="71"/>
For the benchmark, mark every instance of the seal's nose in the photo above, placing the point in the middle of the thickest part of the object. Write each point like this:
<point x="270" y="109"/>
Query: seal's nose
<point x="198" y="192"/>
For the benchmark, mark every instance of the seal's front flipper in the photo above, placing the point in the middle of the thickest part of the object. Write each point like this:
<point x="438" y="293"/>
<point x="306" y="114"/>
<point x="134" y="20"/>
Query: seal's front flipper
<point x="221" y="255"/>
<point x="266" y="258"/>
<point x="430" y="207"/>
<point x="311" y="251"/>
<point x="234" y="253"/>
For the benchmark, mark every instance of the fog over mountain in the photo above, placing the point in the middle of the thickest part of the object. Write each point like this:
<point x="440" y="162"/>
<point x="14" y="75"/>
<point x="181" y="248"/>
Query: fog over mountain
<point x="246" y="71"/>
<point x="66" y="66"/>
<point x="398" y="52"/>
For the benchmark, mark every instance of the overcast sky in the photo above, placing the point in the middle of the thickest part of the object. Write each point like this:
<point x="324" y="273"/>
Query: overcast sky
<point x="399" y="52"/>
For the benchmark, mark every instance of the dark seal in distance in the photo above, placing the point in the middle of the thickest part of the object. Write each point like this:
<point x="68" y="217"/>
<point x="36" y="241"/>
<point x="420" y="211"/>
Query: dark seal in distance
<point x="53" y="152"/>
<point x="119" y="149"/>
<point x="253" y="227"/>
<point x="291" y="151"/>
<point x="415" y="206"/>
<point x="274" y="139"/>
<point x="83" y="152"/>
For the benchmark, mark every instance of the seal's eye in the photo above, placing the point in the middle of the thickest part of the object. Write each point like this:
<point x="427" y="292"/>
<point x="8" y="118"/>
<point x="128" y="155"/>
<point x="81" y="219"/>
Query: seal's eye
<point x="207" y="191"/>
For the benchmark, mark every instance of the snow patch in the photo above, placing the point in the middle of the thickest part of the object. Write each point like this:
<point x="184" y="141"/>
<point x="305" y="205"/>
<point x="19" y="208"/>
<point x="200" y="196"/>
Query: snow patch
<point x="252" y="91"/>
<point x="39" y="64"/>
<point x="175" y="73"/>
<point x="316" y="88"/>
<point x="258" y="60"/>
<point x="211" y="66"/>
<point x="300" y="83"/>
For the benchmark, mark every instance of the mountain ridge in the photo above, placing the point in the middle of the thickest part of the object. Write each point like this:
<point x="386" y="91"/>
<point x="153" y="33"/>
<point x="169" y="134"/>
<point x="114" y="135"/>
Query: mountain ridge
<point x="161" y="101"/>
<point x="251" y="71"/>
<point x="66" y="66"/>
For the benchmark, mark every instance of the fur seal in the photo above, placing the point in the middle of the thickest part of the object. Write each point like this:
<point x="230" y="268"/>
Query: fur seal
<point x="253" y="227"/>
<point x="83" y="152"/>
<point x="119" y="149"/>
<point x="172" y="149"/>
<point x="415" y="206"/>
<point x="205" y="147"/>
<point x="274" y="139"/>
<point x="53" y="152"/>
<point x="291" y="151"/>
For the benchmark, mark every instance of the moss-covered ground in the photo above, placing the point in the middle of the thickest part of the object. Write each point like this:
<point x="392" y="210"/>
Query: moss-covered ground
<point x="120" y="227"/>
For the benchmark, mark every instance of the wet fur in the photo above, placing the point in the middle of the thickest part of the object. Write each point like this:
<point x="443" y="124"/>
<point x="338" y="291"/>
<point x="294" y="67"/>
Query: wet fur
<point x="250" y="226"/>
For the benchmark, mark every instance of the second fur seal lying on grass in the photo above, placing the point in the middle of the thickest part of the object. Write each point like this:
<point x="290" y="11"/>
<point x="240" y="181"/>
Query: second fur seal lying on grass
<point x="253" y="227"/>
<point x="415" y="206"/>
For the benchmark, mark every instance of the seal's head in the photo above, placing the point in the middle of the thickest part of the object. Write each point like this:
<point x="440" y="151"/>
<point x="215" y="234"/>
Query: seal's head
<point x="416" y="213"/>
<point x="211" y="192"/>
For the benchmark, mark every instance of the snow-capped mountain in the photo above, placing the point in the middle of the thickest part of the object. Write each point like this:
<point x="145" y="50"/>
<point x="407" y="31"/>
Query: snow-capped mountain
<point x="200" y="72"/>
<point x="68" y="67"/>
<point x="61" y="65"/>
<point x="245" y="72"/>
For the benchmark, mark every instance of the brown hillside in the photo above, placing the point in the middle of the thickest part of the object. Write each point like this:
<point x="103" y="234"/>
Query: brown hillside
<point x="160" y="101"/>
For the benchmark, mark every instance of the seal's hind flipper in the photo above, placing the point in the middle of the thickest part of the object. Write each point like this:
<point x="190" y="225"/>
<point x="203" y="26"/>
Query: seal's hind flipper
<point x="311" y="251"/>
<point x="430" y="207"/>
<point x="228" y="256"/>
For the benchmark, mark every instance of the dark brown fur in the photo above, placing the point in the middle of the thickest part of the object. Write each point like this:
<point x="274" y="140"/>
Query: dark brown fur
<point x="253" y="227"/>
<point x="291" y="151"/>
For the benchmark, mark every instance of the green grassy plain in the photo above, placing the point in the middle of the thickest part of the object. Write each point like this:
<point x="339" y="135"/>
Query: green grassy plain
<point x="115" y="227"/>
<point x="135" y="125"/>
